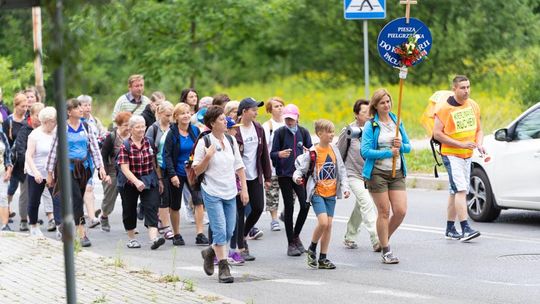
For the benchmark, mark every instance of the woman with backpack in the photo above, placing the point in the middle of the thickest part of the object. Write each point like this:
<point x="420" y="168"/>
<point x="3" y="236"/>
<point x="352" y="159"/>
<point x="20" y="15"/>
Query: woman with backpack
<point x="82" y="145"/>
<point x="109" y="151"/>
<point x="217" y="157"/>
<point x="176" y="152"/>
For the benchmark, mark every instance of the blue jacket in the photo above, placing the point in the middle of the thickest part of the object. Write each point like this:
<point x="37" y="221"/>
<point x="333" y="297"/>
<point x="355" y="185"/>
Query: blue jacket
<point x="284" y="139"/>
<point x="370" y="138"/>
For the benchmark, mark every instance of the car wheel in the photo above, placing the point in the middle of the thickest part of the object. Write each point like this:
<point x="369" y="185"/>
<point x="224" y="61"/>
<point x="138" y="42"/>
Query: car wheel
<point x="480" y="202"/>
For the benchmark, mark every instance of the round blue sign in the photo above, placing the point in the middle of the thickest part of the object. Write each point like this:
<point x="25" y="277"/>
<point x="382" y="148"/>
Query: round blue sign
<point x="395" y="35"/>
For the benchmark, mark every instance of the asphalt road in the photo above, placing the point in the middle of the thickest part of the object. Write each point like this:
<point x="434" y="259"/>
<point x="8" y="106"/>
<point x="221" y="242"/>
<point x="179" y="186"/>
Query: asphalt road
<point x="501" y="266"/>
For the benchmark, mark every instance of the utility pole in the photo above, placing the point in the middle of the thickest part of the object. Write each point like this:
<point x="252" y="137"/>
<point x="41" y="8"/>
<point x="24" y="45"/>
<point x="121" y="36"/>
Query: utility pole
<point x="38" y="52"/>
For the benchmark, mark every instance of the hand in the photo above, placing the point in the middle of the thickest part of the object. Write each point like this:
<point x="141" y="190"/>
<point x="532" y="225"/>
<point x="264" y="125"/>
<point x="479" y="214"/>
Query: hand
<point x="396" y="142"/>
<point x="481" y="149"/>
<point x="7" y="175"/>
<point x="267" y="185"/>
<point x="395" y="152"/>
<point x="139" y="185"/>
<point x="210" y="151"/>
<point x="103" y="175"/>
<point x="347" y="194"/>
<point x="468" y="145"/>
<point x="160" y="183"/>
<point x="50" y="180"/>
<point x="284" y="153"/>
<point x="38" y="178"/>
<point x="244" y="197"/>
<point x="299" y="181"/>
<point x="175" y="181"/>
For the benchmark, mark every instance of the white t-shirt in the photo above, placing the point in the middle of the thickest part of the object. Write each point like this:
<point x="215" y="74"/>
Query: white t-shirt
<point x="386" y="138"/>
<point x="43" y="143"/>
<point x="220" y="175"/>
<point x="251" y="143"/>
<point x="270" y="137"/>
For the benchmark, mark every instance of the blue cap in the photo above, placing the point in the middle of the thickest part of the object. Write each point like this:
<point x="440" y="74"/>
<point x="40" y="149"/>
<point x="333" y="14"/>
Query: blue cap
<point x="231" y="123"/>
<point x="200" y="115"/>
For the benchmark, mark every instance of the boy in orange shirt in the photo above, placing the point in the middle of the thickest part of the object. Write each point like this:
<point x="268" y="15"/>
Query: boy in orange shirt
<point x="325" y="176"/>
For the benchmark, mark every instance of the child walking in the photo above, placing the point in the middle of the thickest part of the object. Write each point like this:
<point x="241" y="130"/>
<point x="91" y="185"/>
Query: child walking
<point x="324" y="174"/>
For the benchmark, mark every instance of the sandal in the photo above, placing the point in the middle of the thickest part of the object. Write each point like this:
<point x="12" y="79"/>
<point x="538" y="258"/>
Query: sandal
<point x="350" y="244"/>
<point x="162" y="230"/>
<point x="133" y="243"/>
<point x="168" y="234"/>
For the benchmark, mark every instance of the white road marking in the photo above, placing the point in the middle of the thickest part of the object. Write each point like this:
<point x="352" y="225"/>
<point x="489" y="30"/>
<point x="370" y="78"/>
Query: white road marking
<point x="298" y="282"/>
<point x="400" y="294"/>
<point x="200" y="269"/>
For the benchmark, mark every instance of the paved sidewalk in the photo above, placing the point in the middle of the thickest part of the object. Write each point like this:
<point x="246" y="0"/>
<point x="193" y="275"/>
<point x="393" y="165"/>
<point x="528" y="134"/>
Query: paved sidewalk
<point x="32" y="271"/>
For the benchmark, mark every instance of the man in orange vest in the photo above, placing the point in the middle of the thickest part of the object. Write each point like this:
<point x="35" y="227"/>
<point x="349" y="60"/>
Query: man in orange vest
<point x="457" y="128"/>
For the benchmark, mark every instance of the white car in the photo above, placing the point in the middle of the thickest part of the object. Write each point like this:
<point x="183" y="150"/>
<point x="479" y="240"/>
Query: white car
<point x="510" y="176"/>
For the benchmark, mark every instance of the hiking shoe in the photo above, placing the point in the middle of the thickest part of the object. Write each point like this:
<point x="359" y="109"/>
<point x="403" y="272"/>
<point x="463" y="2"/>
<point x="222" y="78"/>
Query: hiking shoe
<point x="158" y="241"/>
<point x="350" y="244"/>
<point x="377" y="248"/>
<point x="51" y="226"/>
<point x="140" y="212"/>
<point x="469" y="234"/>
<point x="93" y="223"/>
<point x="292" y="250"/>
<point x="208" y="256"/>
<point x="105" y="226"/>
<point x="23" y="226"/>
<point x="311" y="259"/>
<point x="274" y="226"/>
<point x="36" y="232"/>
<point x="224" y="272"/>
<point x="6" y="228"/>
<point x="299" y="245"/>
<point x="389" y="258"/>
<point x="452" y="234"/>
<point x="133" y="243"/>
<point x="178" y="240"/>
<point x="201" y="240"/>
<point x="235" y="258"/>
<point x="326" y="264"/>
<point x="246" y="256"/>
<point x="255" y="234"/>
<point x="85" y="241"/>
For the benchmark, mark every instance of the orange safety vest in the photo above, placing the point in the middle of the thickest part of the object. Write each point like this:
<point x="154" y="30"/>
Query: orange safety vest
<point x="460" y="123"/>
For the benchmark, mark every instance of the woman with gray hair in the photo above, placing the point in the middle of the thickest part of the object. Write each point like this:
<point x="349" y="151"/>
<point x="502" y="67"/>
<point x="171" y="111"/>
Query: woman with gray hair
<point x="138" y="179"/>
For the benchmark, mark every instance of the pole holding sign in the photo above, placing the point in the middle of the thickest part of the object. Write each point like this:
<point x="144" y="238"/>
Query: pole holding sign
<point x="403" y="43"/>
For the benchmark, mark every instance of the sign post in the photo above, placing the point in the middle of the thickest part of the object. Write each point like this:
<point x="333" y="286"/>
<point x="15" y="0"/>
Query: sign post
<point x="364" y="10"/>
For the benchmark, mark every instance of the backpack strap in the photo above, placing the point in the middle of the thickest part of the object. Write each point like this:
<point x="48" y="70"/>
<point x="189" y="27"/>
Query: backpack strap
<point x="230" y="141"/>
<point x="347" y="150"/>
<point x="433" y="142"/>
<point x="312" y="161"/>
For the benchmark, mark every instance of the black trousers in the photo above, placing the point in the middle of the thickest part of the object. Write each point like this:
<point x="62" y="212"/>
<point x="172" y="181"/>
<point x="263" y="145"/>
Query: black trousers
<point x="287" y="187"/>
<point x="149" y="201"/>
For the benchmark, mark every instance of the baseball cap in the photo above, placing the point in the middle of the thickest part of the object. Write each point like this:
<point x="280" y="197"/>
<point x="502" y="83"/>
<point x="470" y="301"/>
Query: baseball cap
<point x="231" y="123"/>
<point x="200" y="115"/>
<point x="247" y="103"/>
<point x="291" y="111"/>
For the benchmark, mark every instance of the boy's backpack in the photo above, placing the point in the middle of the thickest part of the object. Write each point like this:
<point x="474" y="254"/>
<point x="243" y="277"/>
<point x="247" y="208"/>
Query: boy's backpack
<point x="428" y="121"/>
<point x="121" y="179"/>
<point x="195" y="180"/>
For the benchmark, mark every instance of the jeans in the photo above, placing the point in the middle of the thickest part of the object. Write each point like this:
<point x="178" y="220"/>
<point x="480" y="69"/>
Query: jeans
<point x="222" y="217"/>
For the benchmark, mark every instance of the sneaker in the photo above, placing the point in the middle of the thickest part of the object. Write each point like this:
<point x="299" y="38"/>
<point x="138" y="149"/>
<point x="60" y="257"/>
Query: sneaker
<point x="201" y="240"/>
<point x="23" y="226"/>
<point x="350" y="244"/>
<point x="10" y="221"/>
<point x="85" y="242"/>
<point x="208" y="256"/>
<point x="105" y="226"/>
<point x="235" y="258"/>
<point x="12" y="214"/>
<point x="169" y="235"/>
<point x="97" y="213"/>
<point x="326" y="264"/>
<point x="36" y="232"/>
<point x="177" y="240"/>
<point x="133" y="243"/>
<point x="51" y="226"/>
<point x="292" y="250"/>
<point x="377" y="248"/>
<point x="188" y="214"/>
<point x="158" y="241"/>
<point x="255" y="234"/>
<point x="140" y="212"/>
<point x="299" y="245"/>
<point x="246" y="256"/>
<point x="6" y="228"/>
<point x="389" y="258"/>
<point x="274" y="226"/>
<point x="469" y="234"/>
<point x="216" y="261"/>
<point x="58" y="234"/>
<point x="93" y="223"/>
<point x="452" y="234"/>
<point x="311" y="259"/>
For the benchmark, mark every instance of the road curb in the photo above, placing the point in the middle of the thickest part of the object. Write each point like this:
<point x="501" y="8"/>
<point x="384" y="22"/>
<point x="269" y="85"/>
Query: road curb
<point x="427" y="181"/>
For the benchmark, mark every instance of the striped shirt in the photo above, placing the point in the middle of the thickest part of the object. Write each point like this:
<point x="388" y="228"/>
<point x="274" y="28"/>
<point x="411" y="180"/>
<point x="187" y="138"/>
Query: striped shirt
<point x="127" y="103"/>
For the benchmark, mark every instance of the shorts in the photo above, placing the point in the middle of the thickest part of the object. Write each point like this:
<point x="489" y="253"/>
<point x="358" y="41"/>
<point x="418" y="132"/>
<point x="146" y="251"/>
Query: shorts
<point x="172" y="196"/>
<point x="272" y="195"/>
<point x="382" y="181"/>
<point x="459" y="173"/>
<point x="323" y="205"/>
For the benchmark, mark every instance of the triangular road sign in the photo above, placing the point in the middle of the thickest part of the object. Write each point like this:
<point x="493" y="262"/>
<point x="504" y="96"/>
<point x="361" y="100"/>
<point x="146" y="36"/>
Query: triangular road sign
<point x="365" y="6"/>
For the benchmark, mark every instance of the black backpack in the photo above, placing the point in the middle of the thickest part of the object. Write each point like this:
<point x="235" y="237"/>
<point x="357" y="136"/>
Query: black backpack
<point x="121" y="179"/>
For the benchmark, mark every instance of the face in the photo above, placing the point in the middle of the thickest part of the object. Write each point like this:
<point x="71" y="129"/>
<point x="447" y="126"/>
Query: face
<point x="137" y="88"/>
<point x="31" y="97"/>
<point x="277" y="108"/>
<point x="183" y="118"/>
<point x="86" y="109"/>
<point x="123" y="129"/>
<point x="35" y="120"/>
<point x="48" y="125"/>
<point x="363" y="115"/>
<point x="326" y="136"/>
<point x="138" y="130"/>
<point x="192" y="98"/>
<point x="220" y="125"/>
<point x="233" y="113"/>
<point x="165" y="116"/>
<point x="250" y="114"/>
<point x="462" y="90"/>
<point x="155" y="104"/>
<point x="22" y="107"/>
<point x="75" y="112"/>
<point x="384" y="105"/>
<point x="291" y="123"/>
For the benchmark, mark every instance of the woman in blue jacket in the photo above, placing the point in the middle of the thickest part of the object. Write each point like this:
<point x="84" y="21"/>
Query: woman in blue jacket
<point x="379" y="147"/>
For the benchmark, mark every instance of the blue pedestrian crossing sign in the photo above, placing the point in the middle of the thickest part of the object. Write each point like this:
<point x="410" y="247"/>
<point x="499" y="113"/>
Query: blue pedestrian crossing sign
<point x="365" y="9"/>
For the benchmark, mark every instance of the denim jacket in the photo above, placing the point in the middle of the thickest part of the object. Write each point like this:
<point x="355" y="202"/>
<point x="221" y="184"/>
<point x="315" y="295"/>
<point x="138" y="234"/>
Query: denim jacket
<point x="370" y="139"/>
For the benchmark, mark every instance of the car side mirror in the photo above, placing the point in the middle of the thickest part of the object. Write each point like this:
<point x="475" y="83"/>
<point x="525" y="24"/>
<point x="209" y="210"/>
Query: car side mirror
<point x="502" y="135"/>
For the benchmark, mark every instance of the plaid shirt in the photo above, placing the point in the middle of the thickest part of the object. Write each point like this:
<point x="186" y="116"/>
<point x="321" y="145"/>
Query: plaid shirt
<point x="140" y="160"/>
<point x="94" y="149"/>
